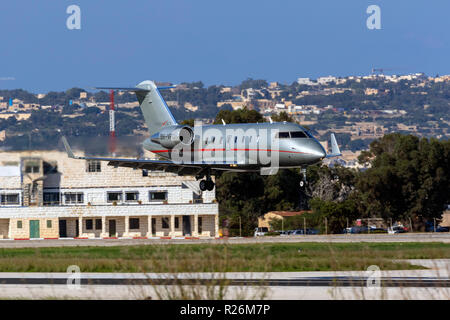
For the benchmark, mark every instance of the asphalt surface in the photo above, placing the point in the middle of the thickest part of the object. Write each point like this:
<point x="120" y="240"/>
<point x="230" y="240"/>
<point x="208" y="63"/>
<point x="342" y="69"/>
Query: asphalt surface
<point x="342" y="281"/>
<point x="432" y="283"/>
<point x="340" y="238"/>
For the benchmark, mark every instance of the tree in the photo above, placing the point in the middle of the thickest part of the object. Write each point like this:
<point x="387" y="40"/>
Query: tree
<point x="188" y="122"/>
<point x="251" y="83"/>
<point x="408" y="178"/>
<point x="243" y="115"/>
<point x="282" y="116"/>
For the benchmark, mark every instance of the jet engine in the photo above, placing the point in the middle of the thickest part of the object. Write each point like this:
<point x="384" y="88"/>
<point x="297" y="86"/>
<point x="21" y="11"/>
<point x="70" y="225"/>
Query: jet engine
<point x="169" y="137"/>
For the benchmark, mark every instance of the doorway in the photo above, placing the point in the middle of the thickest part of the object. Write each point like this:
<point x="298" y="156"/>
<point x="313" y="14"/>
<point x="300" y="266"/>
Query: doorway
<point x="153" y="226"/>
<point x="186" y="225"/>
<point x="34" y="229"/>
<point x="77" y="229"/>
<point x="63" y="228"/>
<point x="112" y="228"/>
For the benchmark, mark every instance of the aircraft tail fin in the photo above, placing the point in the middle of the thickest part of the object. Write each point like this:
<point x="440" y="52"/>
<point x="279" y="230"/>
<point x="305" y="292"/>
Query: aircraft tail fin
<point x="155" y="110"/>
<point x="335" y="151"/>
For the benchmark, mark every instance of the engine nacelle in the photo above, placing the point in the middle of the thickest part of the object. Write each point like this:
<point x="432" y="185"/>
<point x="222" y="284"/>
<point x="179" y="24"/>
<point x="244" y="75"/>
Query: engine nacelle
<point x="169" y="137"/>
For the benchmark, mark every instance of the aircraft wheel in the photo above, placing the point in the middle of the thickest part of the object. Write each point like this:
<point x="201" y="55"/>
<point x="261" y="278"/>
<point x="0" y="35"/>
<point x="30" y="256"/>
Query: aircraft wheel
<point x="203" y="185"/>
<point x="209" y="185"/>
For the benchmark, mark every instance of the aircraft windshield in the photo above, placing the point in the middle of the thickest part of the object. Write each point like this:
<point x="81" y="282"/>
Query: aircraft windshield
<point x="293" y="135"/>
<point x="298" y="134"/>
<point x="283" y="135"/>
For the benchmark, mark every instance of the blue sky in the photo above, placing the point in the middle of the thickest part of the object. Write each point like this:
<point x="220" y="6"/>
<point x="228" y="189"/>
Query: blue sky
<point x="218" y="42"/>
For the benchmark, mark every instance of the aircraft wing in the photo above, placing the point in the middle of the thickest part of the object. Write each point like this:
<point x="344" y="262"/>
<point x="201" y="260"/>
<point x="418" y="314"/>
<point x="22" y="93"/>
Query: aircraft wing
<point x="180" y="168"/>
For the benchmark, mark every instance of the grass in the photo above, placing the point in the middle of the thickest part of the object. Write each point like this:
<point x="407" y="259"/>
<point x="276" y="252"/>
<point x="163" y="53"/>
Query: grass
<point x="221" y="258"/>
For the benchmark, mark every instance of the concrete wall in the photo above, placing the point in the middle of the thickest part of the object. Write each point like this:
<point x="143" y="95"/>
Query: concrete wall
<point x="9" y="227"/>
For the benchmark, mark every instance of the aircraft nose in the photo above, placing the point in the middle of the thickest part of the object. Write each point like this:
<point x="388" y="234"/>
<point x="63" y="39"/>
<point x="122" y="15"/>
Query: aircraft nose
<point x="318" y="151"/>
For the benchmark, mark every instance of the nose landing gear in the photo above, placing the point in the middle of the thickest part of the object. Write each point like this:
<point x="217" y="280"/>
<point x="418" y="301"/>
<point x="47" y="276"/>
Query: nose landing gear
<point x="303" y="182"/>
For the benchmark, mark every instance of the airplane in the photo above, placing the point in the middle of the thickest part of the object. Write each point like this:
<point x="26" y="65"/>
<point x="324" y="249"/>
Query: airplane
<point x="205" y="150"/>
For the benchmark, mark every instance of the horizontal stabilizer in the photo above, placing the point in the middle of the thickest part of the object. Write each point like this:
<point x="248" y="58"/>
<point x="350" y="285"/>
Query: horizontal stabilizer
<point x="122" y="89"/>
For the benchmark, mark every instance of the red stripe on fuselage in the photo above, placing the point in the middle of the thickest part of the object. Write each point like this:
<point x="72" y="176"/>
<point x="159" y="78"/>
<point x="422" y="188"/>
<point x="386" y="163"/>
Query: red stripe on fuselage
<point x="161" y="151"/>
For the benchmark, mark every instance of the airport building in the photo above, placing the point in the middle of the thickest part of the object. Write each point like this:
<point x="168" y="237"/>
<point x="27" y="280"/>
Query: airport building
<point x="45" y="194"/>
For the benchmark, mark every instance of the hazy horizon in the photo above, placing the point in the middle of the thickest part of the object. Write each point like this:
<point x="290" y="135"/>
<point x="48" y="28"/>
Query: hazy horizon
<point x="123" y="43"/>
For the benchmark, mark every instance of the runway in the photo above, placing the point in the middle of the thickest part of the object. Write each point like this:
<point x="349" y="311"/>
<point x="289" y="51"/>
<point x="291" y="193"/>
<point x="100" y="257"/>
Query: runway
<point x="330" y="281"/>
<point x="400" y="284"/>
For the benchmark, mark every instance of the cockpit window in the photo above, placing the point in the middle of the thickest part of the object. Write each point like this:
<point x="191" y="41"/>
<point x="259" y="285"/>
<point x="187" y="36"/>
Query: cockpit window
<point x="298" y="134"/>
<point x="283" y="135"/>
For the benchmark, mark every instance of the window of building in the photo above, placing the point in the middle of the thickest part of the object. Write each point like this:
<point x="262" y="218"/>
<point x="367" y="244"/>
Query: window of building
<point x="98" y="224"/>
<point x="131" y="196"/>
<point x="73" y="197"/>
<point x="158" y="195"/>
<point x="88" y="224"/>
<point x="93" y="166"/>
<point x="19" y="224"/>
<point x="200" y="224"/>
<point x="298" y="134"/>
<point x="165" y="222"/>
<point x="6" y="199"/>
<point x="144" y="172"/>
<point x="32" y="168"/>
<point x="114" y="196"/>
<point x="177" y="222"/>
<point x="134" y="223"/>
<point x="49" y="223"/>
<point x="51" y="198"/>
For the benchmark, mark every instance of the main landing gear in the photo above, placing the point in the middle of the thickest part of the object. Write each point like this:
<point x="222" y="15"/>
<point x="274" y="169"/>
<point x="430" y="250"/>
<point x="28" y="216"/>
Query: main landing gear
<point x="206" y="184"/>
